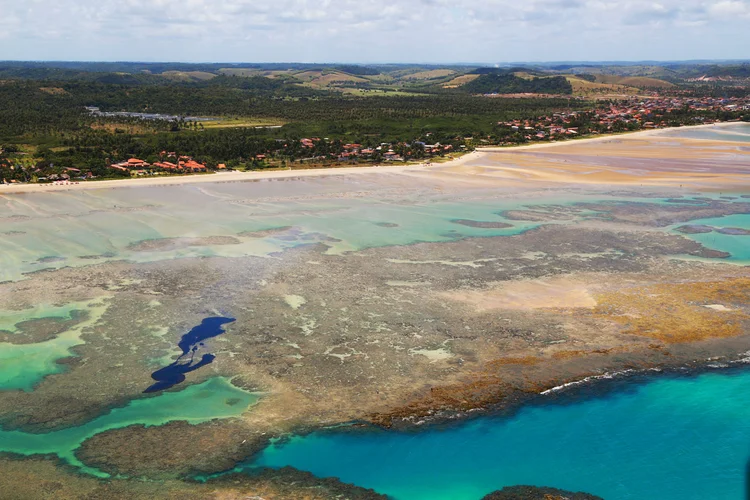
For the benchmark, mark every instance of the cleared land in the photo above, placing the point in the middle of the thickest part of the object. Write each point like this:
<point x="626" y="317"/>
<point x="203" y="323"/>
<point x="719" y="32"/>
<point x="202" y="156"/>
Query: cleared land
<point x="430" y="75"/>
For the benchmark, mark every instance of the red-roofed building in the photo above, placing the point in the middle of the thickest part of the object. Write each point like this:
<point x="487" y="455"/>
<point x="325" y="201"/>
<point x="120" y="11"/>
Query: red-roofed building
<point x="136" y="163"/>
<point x="194" y="166"/>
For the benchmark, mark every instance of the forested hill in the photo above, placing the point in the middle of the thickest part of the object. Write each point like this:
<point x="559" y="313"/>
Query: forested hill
<point x="508" y="83"/>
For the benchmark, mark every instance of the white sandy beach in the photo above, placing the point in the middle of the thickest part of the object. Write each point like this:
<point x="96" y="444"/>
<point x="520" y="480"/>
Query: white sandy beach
<point x="604" y="138"/>
<point x="285" y="174"/>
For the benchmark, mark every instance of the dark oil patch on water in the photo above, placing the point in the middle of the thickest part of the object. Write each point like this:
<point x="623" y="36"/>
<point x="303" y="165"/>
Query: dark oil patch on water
<point x="174" y="374"/>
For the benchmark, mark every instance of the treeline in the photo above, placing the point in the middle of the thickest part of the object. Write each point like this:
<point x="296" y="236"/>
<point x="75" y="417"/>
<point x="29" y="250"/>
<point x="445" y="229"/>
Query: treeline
<point x="47" y="118"/>
<point x="508" y="83"/>
<point x="49" y="107"/>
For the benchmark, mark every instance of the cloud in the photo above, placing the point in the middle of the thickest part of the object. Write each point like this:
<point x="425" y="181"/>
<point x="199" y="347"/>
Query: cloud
<point x="374" y="30"/>
<point x="730" y="8"/>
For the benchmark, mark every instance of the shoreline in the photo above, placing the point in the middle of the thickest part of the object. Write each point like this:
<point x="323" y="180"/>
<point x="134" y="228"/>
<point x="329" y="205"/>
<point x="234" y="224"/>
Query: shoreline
<point x="331" y="171"/>
<point x="607" y="137"/>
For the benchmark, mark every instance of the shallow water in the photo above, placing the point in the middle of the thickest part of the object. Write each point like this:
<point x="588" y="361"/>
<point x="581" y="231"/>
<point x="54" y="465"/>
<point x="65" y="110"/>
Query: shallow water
<point x="23" y="366"/>
<point x="213" y="399"/>
<point x="55" y="230"/>
<point x="737" y="245"/>
<point x="738" y="132"/>
<point x="76" y="229"/>
<point x="671" y="438"/>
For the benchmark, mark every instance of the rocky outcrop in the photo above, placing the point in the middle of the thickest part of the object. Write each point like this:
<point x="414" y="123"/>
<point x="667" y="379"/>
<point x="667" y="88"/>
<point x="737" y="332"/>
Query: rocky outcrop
<point x="537" y="493"/>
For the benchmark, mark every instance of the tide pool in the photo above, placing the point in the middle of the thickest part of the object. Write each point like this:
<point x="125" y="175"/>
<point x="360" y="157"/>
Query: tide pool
<point x="667" y="439"/>
<point x="737" y="245"/>
<point x="23" y="366"/>
<point x="10" y="319"/>
<point x="213" y="399"/>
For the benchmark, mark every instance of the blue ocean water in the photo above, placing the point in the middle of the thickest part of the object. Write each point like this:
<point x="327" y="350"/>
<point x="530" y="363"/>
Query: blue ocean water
<point x="669" y="438"/>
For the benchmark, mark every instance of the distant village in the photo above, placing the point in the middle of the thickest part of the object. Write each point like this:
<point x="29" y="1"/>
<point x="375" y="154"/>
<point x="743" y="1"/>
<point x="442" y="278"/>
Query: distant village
<point x="626" y="115"/>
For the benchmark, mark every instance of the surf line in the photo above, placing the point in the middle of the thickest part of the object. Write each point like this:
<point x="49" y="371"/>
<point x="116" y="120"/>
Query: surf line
<point x="174" y="374"/>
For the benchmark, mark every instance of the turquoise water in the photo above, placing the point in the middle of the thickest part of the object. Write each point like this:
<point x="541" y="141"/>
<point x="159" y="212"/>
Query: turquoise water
<point x="84" y="228"/>
<point x="75" y="229"/>
<point x="215" y="398"/>
<point x="672" y="438"/>
<point x="737" y="245"/>
<point x="23" y="366"/>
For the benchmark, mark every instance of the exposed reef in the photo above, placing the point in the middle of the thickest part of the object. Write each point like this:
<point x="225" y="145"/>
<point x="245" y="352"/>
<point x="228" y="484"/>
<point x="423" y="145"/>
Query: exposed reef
<point x="43" y="479"/>
<point x="537" y="493"/>
<point x="482" y="224"/>
<point x="166" y="244"/>
<point x="700" y="229"/>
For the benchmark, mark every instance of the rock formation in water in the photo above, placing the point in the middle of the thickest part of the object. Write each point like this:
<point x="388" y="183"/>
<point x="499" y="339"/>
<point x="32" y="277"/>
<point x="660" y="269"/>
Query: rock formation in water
<point x="537" y="493"/>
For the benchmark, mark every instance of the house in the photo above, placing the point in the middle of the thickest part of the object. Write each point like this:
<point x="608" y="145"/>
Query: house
<point x="136" y="163"/>
<point x="194" y="166"/>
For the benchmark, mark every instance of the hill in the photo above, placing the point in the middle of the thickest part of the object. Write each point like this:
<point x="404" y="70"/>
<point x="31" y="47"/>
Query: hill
<point x="508" y="83"/>
<point x="634" y="81"/>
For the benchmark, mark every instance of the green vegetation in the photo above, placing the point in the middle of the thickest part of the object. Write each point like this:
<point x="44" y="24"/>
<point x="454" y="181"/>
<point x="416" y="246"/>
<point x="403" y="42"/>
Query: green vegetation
<point x="509" y="83"/>
<point x="258" y="122"/>
<point x="255" y="116"/>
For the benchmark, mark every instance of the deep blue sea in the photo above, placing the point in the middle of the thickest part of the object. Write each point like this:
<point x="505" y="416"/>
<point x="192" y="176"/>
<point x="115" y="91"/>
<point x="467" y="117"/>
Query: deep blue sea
<point x="666" y="439"/>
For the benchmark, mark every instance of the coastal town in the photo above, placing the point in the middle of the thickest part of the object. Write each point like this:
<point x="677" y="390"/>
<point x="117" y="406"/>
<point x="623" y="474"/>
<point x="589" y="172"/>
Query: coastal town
<point x="606" y="117"/>
<point x="626" y="115"/>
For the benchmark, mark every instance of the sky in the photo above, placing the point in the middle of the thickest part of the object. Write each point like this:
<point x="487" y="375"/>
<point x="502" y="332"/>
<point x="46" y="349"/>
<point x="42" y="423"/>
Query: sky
<point x="373" y="31"/>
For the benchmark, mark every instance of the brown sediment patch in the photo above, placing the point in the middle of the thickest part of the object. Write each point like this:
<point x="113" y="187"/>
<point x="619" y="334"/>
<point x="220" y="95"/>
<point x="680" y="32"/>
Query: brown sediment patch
<point x="677" y="312"/>
<point x="559" y="355"/>
<point x="484" y="390"/>
<point x="482" y="224"/>
<point x="166" y="244"/>
<point x="521" y="361"/>
<point x="508" y="381"/>
<point x="265" y="232"/>
<point x="538" y="215"/>
<point x="556" y="292"/>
